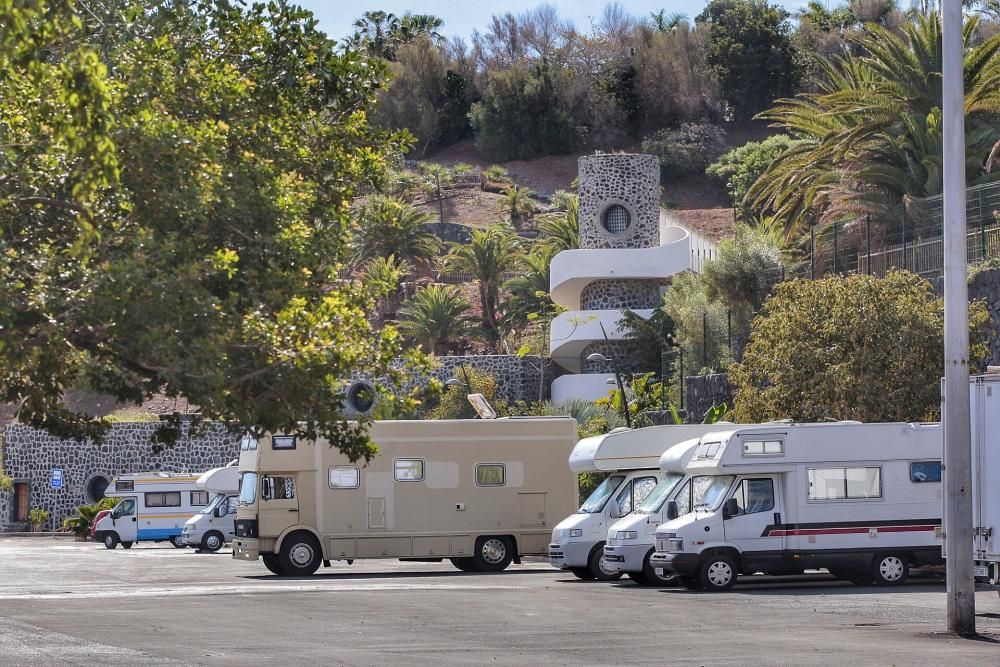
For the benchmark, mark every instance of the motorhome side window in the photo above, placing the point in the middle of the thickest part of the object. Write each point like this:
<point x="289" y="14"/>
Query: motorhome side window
<point x="125" y="485"/>
<point x="755" y="495"/>
<point x="925" y="471"/>
<point x="490" y="474"/>
<point x="845" y="483"/>
<point x="163" y="499"/>
<point x="283" y="442"/>
<point x="708" y="450"/>
<point x="409" y="470"/>
<point x="199" y="498"/>
<point x="345" y="477"/>
<point x="278" y="487"/>
<point x="763" y="448"/>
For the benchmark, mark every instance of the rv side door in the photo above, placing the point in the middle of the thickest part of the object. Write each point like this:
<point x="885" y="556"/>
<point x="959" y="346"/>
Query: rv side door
<point x="751" y="526"/>
<point x="278" y="507"/>
<point x="125" y="519"/>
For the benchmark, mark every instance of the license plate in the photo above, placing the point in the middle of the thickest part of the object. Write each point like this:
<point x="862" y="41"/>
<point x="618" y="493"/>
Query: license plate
<point x="658" y="571"/>
<point x="980" y="571"/>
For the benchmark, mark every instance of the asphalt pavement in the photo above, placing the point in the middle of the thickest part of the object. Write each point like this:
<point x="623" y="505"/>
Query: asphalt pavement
<point x="63" y="602"/>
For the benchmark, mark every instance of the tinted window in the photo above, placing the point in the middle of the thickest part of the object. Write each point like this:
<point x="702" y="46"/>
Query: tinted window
<point x="925" y="471"/>
<point x="278" y="487"/>
<point x="199" y="498"/>
<point x="163" y="499"/>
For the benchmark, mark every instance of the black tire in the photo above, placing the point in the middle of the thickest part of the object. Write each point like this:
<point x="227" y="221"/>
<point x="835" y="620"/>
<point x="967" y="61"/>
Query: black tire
<point x="300" y="555"/>
<point x="653" y="578"/>
<point x="638" y="577"/>
<point x="890" y="569"/>
<point x="493" y="553"/>
<point x="859" y="578"/>
<point x="127" y="544"/>
<point x="464" y="564"/>
<point x="690" y="583"/>
<point x="178" y="542"/>
<point x="582" y="573"/>
<point x="272" y="564"/>
<point x="717" y="573"/>
<point x="110" y="539"/>
<point x="597" y="570"/>
<point x="212" y="541"/>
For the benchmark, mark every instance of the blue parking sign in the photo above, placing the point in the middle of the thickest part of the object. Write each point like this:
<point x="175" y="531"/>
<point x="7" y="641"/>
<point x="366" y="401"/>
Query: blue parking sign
<point x="57" y="478"/>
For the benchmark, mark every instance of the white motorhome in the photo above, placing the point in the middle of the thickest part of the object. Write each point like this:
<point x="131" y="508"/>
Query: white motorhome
<point x="153" y="507"/>
<point x="481" y="493"/>
<point x="631" y="460"/>
<point x="985" y="413"/>
<point x="861" y="500"/>
<point x="213" y="526"/>
<point x="630" y="542"/>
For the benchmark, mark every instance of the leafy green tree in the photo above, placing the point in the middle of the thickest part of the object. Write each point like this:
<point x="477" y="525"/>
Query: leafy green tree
<point x="529" y="301"/>
<point x="561" y="229"/>
<point x="746" y="268"/>
<point x="437" y="317"/>
<point x="521" y="115"/>
<point x="384" y="276"/>
<point x="858" y="347"/>
<point x="453" y="404"/>
<point x="489" y="254"/>
<point x="654" y="338"/>
<point x="688" y="150"/>
<point x="517" y="204"/>
<point x="174" y="210"/>
<point x="388" y="226"/>
<point x="702" y="323"/>
<point x="382" y="34"/>
<point x="750" y="52"/>
<point x="739" y="168"/>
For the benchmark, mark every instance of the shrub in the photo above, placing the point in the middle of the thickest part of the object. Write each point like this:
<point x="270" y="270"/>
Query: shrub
<point x="746" y="269"/>
<point x="453" y="403"/>
<point x="437" y="317"/>
<point x="37" y="517"/>
<point x="737" y="169"/>
<point x="696" y="314"/>
<point x="688" y="150"/>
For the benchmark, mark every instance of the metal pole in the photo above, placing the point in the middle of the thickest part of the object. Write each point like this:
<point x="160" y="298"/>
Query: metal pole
<point x="812" y="252"/>
<point x="868" y="234"/>
<point x="904" y="235"/>
<point x="704" y="339"/>
<point x="982" y="226"/>
<point x="440" y="201"/>
<point x="618" y="379"/>
<point x="955" y="412"/>
<point x="680" y="374"/>
<point x="835" y="248"/>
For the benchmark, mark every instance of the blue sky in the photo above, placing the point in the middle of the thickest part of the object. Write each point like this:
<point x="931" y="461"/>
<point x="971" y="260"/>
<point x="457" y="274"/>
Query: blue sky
<point x="462" y="16"/>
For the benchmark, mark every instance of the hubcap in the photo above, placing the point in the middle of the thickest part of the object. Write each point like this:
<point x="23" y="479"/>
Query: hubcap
<point x="301" y="555"/>
<point x="719" y="573"/>
<point x="213" y="541"/>
<point x="603" y="567"/>
<point x="494" y="551"/>
<point x="109" y="541"/>
<point x="891" y="568"/>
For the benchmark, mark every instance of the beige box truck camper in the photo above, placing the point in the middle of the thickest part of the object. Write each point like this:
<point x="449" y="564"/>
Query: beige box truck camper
<point x="478" y="492"/>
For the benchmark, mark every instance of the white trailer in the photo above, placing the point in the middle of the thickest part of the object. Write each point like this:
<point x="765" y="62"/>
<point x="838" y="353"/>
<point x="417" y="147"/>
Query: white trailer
<point x="630" y="542"/>
<point x="985" y="414"/>
<point x="861" y="500"/>
<point x="631" y="457"/>
<point x="153" y="507"/>
<point x="214" y="525"/>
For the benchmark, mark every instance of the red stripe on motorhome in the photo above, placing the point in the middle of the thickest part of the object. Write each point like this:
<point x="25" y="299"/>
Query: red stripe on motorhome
<point x="850" y="531"/>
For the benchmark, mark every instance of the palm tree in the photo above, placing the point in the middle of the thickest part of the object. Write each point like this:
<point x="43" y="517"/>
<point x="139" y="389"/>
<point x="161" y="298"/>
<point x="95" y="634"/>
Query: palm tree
<point x="389" y="226"/>
<point x="436" y="317"/>
<point x="661" y="21"/>
<point x="517" y="204"/>
<point x="489" y="254"/>
<point x="871" y="135"/>
<point x="413" y="26"/>
<point x="529" y="299"/>
<point x="561" y="229"/>
<point x="383" y="276"/>
<point x="375" y="32"/>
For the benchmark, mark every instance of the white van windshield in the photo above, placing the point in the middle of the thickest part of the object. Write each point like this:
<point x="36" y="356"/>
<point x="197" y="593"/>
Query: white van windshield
<point x="654" y="501"/>
<point x="709" y="490"/>
<point x="208" y="509"/>
<point x="600" y="495"/>
<point x="248" y="488"/>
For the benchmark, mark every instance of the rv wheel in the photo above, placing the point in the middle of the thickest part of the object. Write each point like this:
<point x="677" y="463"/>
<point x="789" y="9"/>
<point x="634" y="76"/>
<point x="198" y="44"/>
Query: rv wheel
<point x="176" y="541"/>
<point x="272" y="564"/>
<point x="493" y="554"/>
<point x="598" y="569"/>
<point x="890" y="570"/>
<point x="127" y="544"/>
<point x="300" y="555"/>
<point x="582" y="573"/>
<point x="212" y="542"/>
<point x="464" y="564"/>
<point x="639" y="578"/>
<point x="110" y="540"/>
<point x="653" y="578"/>
<point x="690" y="583"/>
<point x="718" y="573"/>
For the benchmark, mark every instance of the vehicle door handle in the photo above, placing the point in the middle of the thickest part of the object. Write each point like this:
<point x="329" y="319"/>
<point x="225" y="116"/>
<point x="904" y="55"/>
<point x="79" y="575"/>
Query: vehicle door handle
<point x="293" y="510"/>
<point x="133" y="519"/>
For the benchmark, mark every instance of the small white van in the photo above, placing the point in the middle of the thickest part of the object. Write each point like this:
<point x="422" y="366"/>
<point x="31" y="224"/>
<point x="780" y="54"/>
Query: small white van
<point x="153" y="507"/>
<point x="214" y="525"/>
<point x="632" y="458"/>
<point x="861" y="500"/>
<point x="985" y="414"/>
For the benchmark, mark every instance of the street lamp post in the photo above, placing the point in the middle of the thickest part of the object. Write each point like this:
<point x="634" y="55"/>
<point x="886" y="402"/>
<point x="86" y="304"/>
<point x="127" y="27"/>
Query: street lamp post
<point x="597" y="356"/>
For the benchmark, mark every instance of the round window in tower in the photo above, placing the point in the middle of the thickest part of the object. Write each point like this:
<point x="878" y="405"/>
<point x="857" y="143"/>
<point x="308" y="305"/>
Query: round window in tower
<point x="96" y="486"/>
<point x="616" y="219"/>
<point x="361" y="397"/>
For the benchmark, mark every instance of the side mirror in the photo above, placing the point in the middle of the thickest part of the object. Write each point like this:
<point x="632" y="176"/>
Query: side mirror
<point x="220" y="511"/>
<point x="730" y="509"/>
<point x="614" y="511"/>
<point x="672" y="511"/>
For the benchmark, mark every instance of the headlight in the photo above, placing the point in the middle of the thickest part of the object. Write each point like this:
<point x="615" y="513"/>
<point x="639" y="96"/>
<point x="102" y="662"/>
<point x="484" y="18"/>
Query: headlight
<point x="675" y="544"/>
<point x="576" y="532"/>
<point x="626" y="535"/>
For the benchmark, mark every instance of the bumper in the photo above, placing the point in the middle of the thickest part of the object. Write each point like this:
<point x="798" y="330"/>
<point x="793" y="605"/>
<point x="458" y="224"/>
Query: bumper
<point x="245" y="548"/>
<point x="191" y="539"/>
<point x="679" y="563"/>
<point x="627" y="558"/>
<point x="570" y="554"/>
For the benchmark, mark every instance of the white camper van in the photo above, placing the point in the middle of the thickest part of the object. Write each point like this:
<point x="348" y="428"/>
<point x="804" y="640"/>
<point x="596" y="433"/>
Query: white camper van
<point x="481" y="493"/>
<point x="631" y="539"/>
<point x="632" y="458"/>
<point x="862" y="500"/>
<point x="153" y="507"/>
<point x="213" y="526"/>
<point x="985" y="413"/>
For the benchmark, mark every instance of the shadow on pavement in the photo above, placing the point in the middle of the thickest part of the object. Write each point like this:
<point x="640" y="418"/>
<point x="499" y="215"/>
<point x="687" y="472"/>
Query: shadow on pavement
<point x="328" y="576"/>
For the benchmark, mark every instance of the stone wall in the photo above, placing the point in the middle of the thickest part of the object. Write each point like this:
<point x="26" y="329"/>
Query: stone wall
<point x="631" y="181"/>
<point x="701" y="392"/>
<point x="450" y="232"/>
<point x="31" y="454"/>
<point x="520" y="378"/>
<point x="6" y="508"/>
<point x="621" y="294"/>
<point x="626" y="352"/>
<point x="985" y="286"/>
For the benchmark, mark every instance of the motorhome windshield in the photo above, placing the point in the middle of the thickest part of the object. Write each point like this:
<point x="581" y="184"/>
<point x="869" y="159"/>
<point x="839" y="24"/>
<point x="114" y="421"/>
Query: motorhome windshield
<point x="248" y="488"/>
<point x="654" y="501"/>
<point x="709" y="490"/>
<point x="208" y="509"/>
<point x="600" y="495"/>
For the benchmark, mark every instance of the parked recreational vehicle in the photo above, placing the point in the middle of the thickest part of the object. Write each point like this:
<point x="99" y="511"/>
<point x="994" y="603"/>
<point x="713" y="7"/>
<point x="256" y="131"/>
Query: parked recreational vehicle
<point x="213" y="525"/>
<point x="631" y="539"/>
<point x="985" y="413"/>
<point x="478" y="492"/>
<point x="862" y="500"/>
<point x="153" y="507"/>
<point x="632" y="460"/>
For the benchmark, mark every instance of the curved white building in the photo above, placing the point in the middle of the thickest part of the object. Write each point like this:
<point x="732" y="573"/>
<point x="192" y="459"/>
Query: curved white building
<point x="626" y="260"/>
